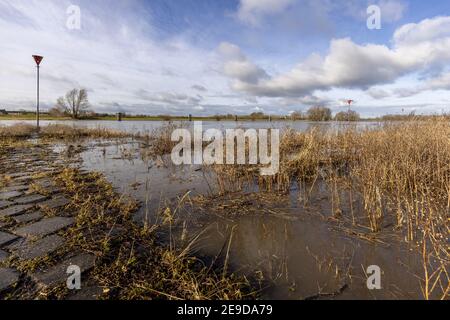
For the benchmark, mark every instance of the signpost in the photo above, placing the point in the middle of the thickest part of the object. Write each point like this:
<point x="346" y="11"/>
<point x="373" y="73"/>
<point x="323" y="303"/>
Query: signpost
<point x="38" y="60"/>
<point x="350" y="102"/>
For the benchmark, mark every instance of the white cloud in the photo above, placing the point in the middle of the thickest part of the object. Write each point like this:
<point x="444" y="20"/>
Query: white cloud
<point x="237" y="65"/>
<point x="428" y="30"/>
<point x="115" y="55"/>
<point x="128" y="66"/>
<point x="441" y="82"/>
<point x="392" y="10"/>
<point x="350" y="65"/>
<point x="253" y="11"/>
<point x="378" y="93"/>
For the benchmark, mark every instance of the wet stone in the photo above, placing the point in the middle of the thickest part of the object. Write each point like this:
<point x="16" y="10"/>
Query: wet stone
<point x="23" y="179"/>
<point x="44" y="183"/>
<point x="34" y="198"/>
<point x="32" y="250"/>
<point x="5" y="204"/>
<point x="20" y="187"/>
<point x="6" y="238"/>
<point x="15" y="210"/>
<point x="54" y="203"/>
<point x="10" y="195"/>
<point x="46" y="169"/>
<point x="29" y="217"/>
<point x="3" y="256"/>
<point x="45" y="227"/>
<point x="58" y="275"/>
<point x="53" y="190"/>
<point x="8" y="278"/>
<point x="19" y="174"/>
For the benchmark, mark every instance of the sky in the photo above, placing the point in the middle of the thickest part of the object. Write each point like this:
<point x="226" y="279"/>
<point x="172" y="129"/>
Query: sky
<point x="207" y="57"/>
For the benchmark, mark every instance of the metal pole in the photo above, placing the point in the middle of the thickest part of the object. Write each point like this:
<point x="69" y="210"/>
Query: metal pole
<point x="37" y="105"/>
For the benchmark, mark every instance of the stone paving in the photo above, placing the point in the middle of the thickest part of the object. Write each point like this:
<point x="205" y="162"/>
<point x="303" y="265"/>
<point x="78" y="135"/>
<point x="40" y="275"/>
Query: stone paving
<point x="56" y="202"/>
<point x="58" y="273"/>
<point x="34" y="198"/>
<point x="8" y="278"/>
<point x="27" y="232"/>
<point x="15" y="210"/>
<point x="44" y="227"/>
<point x="6" y="238"/>
<point x="32" y="250"/>
<point x="28" y="217"/>
<point x="3" y="256"/>
<point x="5" y="204"/>
<point x="10" y="195"/>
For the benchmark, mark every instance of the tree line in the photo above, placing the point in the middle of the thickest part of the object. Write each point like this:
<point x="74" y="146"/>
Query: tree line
<point x="75" y="104"/>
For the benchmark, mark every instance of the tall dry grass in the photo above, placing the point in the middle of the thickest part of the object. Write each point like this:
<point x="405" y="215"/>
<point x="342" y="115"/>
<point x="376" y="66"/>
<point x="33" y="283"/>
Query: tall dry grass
<point x="397" y="172"/>
<point x="20" y="130"/>
<point x="59" y="131"/>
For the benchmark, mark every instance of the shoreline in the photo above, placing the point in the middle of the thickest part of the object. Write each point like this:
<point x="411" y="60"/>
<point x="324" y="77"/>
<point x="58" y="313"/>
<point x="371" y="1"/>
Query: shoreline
<point x="156" y="119"/>
<point x="394" y="118"/>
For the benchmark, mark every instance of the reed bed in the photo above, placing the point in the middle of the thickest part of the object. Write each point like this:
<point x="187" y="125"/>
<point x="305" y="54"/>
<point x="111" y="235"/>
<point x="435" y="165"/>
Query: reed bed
<point x="398" y="172"/>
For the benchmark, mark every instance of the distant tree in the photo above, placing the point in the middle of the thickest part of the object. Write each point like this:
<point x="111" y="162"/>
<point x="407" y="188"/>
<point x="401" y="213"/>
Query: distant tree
<point x="296" y="115"/>
<point x="400" y="117"/>
<point x="349" y="115"/>
<point x="74" y="104"/>
<point x="319" y="114"/>
<point x="257" y="115"/>
<point x="165" y="117"/>
<point x="56" y="112"/>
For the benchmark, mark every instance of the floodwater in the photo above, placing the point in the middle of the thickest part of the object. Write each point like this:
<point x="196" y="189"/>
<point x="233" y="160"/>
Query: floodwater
<point x="292" y="251"/>
<point x="146" y="127"/>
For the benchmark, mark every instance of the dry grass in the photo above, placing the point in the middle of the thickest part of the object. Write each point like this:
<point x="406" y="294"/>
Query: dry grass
<point x="20" y="130"/>
<point x="397" y="172"/>
<point x="59" y="131"/>
<point x="132" y="263"/>
<point x="160" y="140"/>
<point x="67" y="132"/>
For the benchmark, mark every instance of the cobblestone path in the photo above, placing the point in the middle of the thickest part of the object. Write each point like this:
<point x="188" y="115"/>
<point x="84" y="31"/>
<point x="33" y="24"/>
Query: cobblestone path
<point x="33" y="218"/>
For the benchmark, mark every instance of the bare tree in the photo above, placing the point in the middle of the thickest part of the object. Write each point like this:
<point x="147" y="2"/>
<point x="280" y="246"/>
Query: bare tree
<point x="296" y="115"/>
<point x="349" y="115"/>
<point x="74" y="104"/>
<point x="319" y="114"/>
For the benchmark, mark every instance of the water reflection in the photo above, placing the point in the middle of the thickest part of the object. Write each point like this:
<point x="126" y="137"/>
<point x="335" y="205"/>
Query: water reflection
<point x="146" y="127"/>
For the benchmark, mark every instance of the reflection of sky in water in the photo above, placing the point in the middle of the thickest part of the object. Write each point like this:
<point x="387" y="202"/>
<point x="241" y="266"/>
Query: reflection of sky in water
<point x="149" y="126"/>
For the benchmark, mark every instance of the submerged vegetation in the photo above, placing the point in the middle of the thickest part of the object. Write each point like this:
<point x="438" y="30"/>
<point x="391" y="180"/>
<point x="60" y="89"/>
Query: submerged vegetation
<point x="398" y="174"/>
<point x="132" y="263"/>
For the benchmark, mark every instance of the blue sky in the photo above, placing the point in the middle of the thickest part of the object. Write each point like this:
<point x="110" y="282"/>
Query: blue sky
<point x="229" y="56"/>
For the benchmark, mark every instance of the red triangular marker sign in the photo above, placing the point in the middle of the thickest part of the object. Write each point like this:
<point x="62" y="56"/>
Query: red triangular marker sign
<point x="38" y="59"/>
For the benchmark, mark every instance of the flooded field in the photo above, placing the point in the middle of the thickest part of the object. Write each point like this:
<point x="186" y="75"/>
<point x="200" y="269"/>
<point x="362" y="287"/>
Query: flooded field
<point x="296" y="252"/>
<point x="343" y="202"/>
<point x="147" y="127"/>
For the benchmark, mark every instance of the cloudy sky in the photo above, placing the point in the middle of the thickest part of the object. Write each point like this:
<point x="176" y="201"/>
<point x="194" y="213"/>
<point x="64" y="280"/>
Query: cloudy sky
<point x="228" y="56"/>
